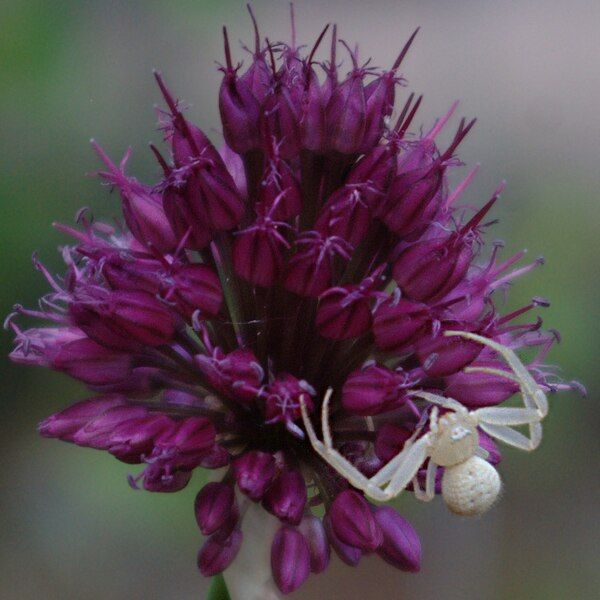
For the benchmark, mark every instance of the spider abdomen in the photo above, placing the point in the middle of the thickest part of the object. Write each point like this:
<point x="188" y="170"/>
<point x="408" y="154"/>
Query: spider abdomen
<point x="470" y="488"/>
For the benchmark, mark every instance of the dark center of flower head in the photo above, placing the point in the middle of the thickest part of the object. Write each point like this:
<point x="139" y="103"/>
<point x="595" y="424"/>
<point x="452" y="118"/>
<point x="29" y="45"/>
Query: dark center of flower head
<point x="320" y="247"/>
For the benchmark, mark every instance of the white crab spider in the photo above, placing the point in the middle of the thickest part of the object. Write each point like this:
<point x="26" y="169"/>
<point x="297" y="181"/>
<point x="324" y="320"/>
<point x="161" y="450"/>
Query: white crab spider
<point x="470" y="484"/>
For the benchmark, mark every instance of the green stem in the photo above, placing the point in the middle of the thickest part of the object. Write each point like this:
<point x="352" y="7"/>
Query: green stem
<point x="218" y="589"/>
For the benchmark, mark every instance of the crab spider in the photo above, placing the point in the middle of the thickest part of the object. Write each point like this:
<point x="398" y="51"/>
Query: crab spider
<point x="470" y="484"/>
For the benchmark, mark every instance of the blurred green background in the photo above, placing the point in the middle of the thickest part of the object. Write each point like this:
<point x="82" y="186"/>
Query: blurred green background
<point x="70" y="526"/>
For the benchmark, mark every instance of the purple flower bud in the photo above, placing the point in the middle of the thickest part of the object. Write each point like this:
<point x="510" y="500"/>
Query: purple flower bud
<point x="346" y="215"/>
<point x="379" y="103"/>
<point x="215" y="458"/>
<point x="254" y="472"/>
<point x="427" y="271"/>
<point x="286" y="498"/>
<point x="282" y="399"/>
<point x="237" y="374"/>
<point x="290" y="559"/>
<point x="401" y="546"/>
<point x="314" y="533"/>
<point x="281" y="115"/>
<point x="417" y="193"/>
<point x="396" y="325"/>
<point x="98" y="432"/>
<point x="309" y="271"/>
<point x="380" y="97"/>
<point x="279" y="192"/>
<point x="134" y="275"/>
<point x="218" y="552"/>
<point x="390" y="441"/>
<point x="344" y="312"/>
<point x="193" y="436"/>
<point x="375" y="172"/>
<point x="195" y="287"/>
<point x="441" y="356"/>
<point x="205" y="190"/>
<point x="353" y="523"/>
<point x="258" y="252"/>
<point x="359" y="454"/>
<point x="213" y="506"/>
<point x="91" y="363"/>
<point x="411" y="207"/>
<point x="238" y="106"/>
<point x="184" y="222"/>
<point x="68" y="421"/>
<point x="258" y="75"/>
<point x="214" y="197"/>
<point x="348" y="554"/>
<point x="374" y="389"/>
<point x="136" y="437"/>
<point x="142" y="208"/>
<point x="476" y="390"/>
<point x="312" y="122"/>
<point x="123" y="320"/>
<point x="39" y="346"/>
<point x="345" y="113"/>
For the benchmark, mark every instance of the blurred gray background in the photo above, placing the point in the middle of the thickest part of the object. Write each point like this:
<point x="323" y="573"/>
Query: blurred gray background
<point x="70" y="526"/>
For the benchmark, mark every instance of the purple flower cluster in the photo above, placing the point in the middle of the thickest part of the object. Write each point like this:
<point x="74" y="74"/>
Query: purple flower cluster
<point x="320" y="247"/>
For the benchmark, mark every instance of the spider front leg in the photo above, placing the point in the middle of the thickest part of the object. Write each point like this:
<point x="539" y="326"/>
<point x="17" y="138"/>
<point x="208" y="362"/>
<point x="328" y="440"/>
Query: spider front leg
<point x="332" y="457"/>
<point x="398" y="472"/>
<point x="496" y="421"/>
<point x="436" y="399"/>
<point x="533" y="395"/>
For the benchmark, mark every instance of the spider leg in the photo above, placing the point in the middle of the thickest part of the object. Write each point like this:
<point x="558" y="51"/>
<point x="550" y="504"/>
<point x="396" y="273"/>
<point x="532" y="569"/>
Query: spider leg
<point x="386" y="472"/>
<point x="407" y="468"/>
<point x="333" y="458"/>
<point x="482" y="453"/>
<point x="429" y="493"/>
<point x="496" y="420"/>
<point x="515" y="438"/>
<point x="506" y="415"/>
<point x="533" y="395"/>
<point x="442" y="401"/>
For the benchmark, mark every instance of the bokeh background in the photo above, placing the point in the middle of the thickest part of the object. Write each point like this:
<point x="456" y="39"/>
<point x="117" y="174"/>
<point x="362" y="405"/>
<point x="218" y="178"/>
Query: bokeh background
<point x="70" y="526"/>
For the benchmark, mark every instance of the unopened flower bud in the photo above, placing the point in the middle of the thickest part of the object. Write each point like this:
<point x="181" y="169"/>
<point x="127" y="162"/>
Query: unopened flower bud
<point x="213" y="506"/>
<point x="401" y="546"/>
<point x="348" y="554"/>
<point x="374" y="389"/>
<point x="397" y="325"/>
<point x="314" y="532"/>
<point x="290" y="559"/>
<point x="254" y="472"/>
<point x="286" y="498"/>
<point x="68" y="421"/>
<point x="219" y="552"/>
<point x="476" y="390"/>
<point x="353" y="523"/>
<point x="122" y="320"/>
<point x="92" y="363"/>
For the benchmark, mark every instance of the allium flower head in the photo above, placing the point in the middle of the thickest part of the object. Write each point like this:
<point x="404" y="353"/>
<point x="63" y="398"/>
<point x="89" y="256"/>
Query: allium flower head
<point x="320" y="247"/>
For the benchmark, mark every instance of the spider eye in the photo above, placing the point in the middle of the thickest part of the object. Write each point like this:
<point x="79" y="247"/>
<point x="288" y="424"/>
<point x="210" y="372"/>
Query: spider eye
<point x="459" y="432"/>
